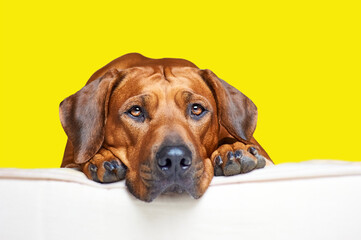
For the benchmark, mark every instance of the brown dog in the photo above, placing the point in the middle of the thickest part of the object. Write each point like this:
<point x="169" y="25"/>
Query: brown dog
<point x="162" y="124"/>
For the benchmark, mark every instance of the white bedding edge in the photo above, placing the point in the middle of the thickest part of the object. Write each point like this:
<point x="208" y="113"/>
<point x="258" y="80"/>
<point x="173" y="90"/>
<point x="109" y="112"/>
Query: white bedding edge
<point x="280" y="172"/>
<point x="307" y="200"/>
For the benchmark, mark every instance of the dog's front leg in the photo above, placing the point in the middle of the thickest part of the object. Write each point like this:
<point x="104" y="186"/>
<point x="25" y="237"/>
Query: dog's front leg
<point x="104" y="167"/>
<point x="236" y="158"/>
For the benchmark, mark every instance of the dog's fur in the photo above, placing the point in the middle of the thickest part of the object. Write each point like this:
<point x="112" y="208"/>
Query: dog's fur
<point x="162" y="124"/>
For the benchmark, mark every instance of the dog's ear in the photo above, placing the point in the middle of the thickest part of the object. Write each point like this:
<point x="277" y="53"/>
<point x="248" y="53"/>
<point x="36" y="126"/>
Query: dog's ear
<point x="83" y="115"/>
<point x="237" y="113"/>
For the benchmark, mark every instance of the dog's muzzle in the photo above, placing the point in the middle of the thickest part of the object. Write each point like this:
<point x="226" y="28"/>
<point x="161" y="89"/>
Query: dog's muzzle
<point x="174" y="168"/>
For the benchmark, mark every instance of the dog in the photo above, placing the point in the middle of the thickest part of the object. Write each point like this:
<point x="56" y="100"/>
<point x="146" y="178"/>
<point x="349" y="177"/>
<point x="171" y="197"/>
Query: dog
<point x="163" y="125"/>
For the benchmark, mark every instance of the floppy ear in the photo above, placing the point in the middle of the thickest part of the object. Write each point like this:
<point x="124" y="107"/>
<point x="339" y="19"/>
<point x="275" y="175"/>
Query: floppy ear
<point x="237" y="113"/>
<point x="83" y="115"/>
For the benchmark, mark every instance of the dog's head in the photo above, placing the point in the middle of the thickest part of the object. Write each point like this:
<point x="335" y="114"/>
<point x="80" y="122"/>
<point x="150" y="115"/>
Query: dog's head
<point x="161" y="118"/>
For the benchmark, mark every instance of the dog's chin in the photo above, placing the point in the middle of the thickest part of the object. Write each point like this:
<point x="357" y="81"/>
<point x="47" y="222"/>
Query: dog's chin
<point x="170" y="190"/>
<point x="174" y="188"/>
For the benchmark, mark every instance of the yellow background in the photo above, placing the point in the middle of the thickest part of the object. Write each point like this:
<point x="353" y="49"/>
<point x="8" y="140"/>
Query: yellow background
<point x="299" y="61"/>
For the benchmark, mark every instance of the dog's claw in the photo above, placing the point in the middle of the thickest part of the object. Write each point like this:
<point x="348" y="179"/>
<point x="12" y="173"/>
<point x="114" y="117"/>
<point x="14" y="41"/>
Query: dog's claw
<point x="219" y="161"/>
<point x="253" y="150"/>
<point x="93" y="172"/>
<point x="218" y="166"/>
<point x="114" y="171"/>
<point x="93" y="168"/>
<point x="238" y="155"/>
<point x="121" y="170"/>
<point x="261" y="161"/>
<point x="230" y="156"/>
<point x="109" y="166"/>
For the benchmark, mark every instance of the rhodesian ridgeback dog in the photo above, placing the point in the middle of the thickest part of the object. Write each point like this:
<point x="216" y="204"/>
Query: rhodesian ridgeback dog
<point x="163" y="125"/>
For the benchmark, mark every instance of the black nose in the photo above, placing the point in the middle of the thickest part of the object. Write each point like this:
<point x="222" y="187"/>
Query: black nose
<point x="174" y="159"/>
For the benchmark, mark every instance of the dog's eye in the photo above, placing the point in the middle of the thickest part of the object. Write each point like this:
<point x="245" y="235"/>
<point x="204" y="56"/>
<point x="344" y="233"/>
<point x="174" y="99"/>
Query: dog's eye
<point x="136" y="112"/>
<point x="197" y="110"/>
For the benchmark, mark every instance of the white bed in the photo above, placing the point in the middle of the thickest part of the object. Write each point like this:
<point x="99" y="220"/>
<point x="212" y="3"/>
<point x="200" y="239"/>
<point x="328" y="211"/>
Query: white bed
<point x="308" y="200"/>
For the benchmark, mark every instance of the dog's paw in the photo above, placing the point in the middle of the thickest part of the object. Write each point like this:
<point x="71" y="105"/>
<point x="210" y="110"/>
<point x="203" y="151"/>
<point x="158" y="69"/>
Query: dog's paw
<point x="105" y="167"/>
<point x="236" y="158"/>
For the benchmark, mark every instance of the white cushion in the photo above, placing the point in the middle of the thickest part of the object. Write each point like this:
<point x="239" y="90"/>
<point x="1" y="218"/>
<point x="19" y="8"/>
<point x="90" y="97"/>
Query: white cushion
<point x="308" y="200"/>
